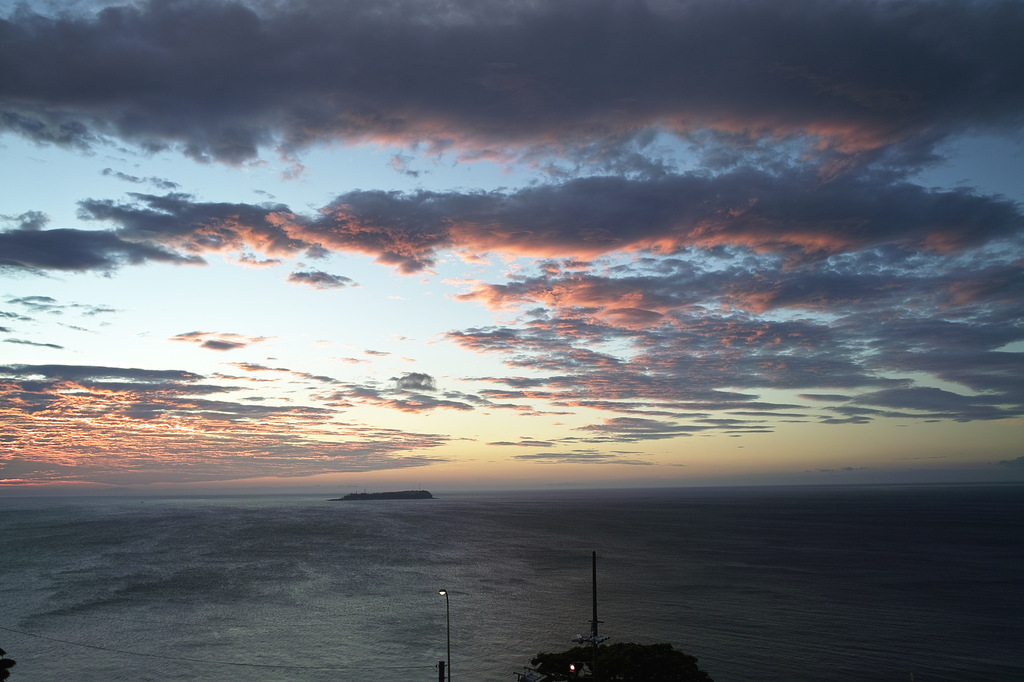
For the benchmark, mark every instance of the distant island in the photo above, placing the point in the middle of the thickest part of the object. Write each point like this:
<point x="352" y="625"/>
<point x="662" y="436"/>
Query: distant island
<point x="396" y="495"/>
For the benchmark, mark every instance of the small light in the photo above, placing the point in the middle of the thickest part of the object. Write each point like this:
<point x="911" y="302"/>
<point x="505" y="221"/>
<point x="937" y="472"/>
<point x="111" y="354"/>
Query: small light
<point x="442" y="592"/>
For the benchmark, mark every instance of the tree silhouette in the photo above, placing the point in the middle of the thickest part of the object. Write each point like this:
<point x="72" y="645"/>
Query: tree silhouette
<point x="624" y="662"/>
<point x="5" y="665"/>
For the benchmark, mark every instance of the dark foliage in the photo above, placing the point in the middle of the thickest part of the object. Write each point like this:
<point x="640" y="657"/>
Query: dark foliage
<point x="625" y="662"/>
<point x="5" y="665"/>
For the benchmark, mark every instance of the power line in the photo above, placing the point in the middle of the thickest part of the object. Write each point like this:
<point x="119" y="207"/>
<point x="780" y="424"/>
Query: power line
<point x="186" y="659"/>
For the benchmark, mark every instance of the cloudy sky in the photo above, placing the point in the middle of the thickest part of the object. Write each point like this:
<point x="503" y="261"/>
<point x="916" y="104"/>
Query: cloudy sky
<point x="478" y="243"/>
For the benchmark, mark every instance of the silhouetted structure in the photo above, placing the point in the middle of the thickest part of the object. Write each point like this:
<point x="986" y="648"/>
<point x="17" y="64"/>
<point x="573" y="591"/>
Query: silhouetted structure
<point x="623" y="662"/>
<point x="5" y="665"/>
<point x="396" y="495"/>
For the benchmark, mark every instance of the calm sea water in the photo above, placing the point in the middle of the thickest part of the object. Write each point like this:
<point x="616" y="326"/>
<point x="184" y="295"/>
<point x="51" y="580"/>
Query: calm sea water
<point x="859" y="583"/>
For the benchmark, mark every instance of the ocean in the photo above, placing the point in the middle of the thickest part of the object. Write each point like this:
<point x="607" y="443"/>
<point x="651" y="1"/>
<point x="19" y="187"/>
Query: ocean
<point x="760" y="584"/>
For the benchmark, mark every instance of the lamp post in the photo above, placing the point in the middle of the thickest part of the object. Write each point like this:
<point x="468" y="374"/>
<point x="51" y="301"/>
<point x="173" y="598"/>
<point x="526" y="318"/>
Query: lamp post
<point x="448" y="622"/>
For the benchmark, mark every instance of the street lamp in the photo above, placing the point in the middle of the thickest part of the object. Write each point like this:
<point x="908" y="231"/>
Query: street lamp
<point x="448" y="621"/>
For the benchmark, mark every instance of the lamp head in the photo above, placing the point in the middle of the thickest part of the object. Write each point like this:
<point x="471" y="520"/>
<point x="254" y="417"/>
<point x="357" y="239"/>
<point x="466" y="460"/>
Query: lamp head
<point x="443" y="593"/>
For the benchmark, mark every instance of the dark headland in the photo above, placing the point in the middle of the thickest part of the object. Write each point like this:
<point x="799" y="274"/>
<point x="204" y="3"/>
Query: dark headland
<point x="397" y="495"/>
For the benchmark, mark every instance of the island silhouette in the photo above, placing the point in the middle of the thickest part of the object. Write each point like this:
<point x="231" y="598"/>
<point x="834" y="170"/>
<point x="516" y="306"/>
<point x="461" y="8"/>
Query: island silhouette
<point x="394" y="495"/>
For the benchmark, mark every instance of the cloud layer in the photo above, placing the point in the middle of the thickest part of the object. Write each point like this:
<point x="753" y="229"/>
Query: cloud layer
<point x="222" y="79"/>
<point x="722" y="206"/>
<point x="126" y="425"/>
<point x="792" y="213"/>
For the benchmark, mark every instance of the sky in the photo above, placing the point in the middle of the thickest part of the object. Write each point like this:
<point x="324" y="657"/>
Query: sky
<point x="298" y="245"/>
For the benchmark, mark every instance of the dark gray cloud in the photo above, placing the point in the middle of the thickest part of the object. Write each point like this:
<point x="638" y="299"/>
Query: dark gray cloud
<point x="632" y="429"/>
<point x="414" y="392"/>
<point x="252" y="367"/>
<point x="81" y="373"/>
<point x="177" y="221"/>
<point x="79" y="250"/>
<point x="403" y="399"/>
<point x="791" y="212"/>
<point x="30" y="220"/>
<point x="38" y="303"/>
<point x="937" y="403"/>
<point x="8" y="315"/>
<point x="51" y="306"/>
<point x="525" y="443"/>
<point x="218" y="340"/>
<point x="581" y="457"/>
<point x="159" y="183"/>
<point x="34" y="343"/>
<point x="319" y="280"/>
<point x="221" y="79"/>
<point x="415" y="381"/>
<point x="100" y="372"/>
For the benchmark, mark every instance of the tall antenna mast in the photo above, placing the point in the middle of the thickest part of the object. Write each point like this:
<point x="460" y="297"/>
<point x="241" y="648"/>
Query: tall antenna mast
<point x="594" y="621"/>
<point x="594" y="638"/>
